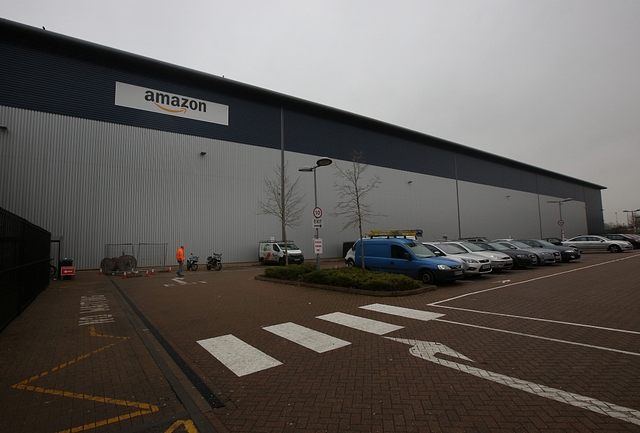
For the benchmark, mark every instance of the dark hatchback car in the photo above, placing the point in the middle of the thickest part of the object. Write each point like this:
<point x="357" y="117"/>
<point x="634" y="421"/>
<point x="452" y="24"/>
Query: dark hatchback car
<point x="622" y="237"/>
<point x="567" y="253"/>
<point x="521" y="259"/>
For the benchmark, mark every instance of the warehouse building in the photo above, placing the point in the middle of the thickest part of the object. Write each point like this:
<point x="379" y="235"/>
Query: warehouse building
<point x="104" y="148"/>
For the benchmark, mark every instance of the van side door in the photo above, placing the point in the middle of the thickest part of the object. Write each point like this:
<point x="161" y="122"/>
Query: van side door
<point x="401" y="261"/>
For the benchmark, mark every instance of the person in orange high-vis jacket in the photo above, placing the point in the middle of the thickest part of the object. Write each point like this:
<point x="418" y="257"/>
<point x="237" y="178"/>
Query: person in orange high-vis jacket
<point x="180" y="259"/>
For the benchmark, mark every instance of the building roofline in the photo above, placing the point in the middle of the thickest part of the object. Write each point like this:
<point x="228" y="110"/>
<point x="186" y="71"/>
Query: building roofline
<point x="22" y="34"/>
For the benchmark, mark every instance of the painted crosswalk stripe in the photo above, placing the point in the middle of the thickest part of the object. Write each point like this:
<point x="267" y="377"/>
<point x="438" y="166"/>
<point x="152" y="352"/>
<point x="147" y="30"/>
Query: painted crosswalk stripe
<point x="238" y="356"/>
<point x="314" y="340"/>
<point x="403" y="312"/>
<point x="360" y="323"/>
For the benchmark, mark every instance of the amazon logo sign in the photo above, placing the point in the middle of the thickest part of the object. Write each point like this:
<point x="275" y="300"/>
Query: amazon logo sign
<point x="157" y="101"/>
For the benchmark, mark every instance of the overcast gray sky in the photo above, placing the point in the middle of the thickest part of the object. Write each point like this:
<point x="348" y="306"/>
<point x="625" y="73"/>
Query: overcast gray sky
<point x="551" y="83"/>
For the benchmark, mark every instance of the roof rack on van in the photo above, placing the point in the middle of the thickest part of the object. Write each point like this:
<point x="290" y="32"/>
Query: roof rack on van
<point x="394" y="233"/>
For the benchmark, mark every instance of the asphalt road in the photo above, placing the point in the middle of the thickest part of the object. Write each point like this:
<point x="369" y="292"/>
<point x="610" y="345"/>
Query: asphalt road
<point x="551" y="349"/>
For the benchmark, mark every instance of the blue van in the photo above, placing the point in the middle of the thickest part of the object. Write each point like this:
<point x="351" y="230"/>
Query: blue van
<point x="407" y="257"/>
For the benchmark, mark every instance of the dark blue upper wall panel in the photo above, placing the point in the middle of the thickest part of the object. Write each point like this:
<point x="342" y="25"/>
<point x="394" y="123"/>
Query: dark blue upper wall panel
<point x="43" y="81"/>
<point x="306" y="133"/>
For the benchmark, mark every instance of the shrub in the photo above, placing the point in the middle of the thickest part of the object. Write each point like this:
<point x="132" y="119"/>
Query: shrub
<point x="344" y="277"/>
<point x="289" y="273"/>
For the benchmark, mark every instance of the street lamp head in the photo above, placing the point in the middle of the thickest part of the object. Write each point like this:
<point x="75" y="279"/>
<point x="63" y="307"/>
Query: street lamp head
<point x="322" y="162"/>
<point x="305" y="168"/>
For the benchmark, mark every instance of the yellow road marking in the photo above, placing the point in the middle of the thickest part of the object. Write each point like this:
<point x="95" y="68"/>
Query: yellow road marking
<point x="145" y="407"/>
<point x="188" y="424"/>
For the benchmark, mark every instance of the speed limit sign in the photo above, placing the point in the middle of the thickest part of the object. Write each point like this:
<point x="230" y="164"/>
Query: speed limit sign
<point x="317" y="212"/>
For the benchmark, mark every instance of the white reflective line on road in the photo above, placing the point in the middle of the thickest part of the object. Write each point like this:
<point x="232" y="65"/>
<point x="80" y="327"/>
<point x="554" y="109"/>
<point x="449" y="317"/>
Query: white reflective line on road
<point x="403" y="312"/>
<point x="238" y="356"/>
<point x="314" y="340"/>
<point x="360" y="323"/>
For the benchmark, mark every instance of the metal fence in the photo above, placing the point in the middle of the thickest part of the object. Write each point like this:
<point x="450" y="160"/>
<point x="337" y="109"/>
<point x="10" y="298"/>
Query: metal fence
<point x="24" y="264"/>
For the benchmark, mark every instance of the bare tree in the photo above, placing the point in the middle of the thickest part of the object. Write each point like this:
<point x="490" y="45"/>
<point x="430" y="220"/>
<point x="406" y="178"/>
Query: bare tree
<point x="283" y="200"/>
<point x="351" y="193"/>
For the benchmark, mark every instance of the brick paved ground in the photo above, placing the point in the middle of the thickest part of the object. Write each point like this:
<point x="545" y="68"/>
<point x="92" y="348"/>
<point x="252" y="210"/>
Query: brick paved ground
<point x="515" y="327"/>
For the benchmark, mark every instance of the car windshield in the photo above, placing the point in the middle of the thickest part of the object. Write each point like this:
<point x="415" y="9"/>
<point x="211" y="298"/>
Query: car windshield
<point x="419" y="250"/>
<point x="485" y="247"/>
<point x="546" y="244"/>
<point x="290" y="246"/>
<point x="520" y="245"/>
<point x="498" y="246"/>
<point x="471" y="247"/>
<point x="452" y="249"/>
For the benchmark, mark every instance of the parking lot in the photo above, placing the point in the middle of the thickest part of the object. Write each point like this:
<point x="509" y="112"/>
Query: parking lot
<point x="554" y="348"/>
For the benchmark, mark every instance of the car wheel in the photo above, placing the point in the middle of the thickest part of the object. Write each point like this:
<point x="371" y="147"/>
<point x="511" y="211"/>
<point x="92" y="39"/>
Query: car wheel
<point x="615" y="249"/>
<point x="426" y="277"/>
<point x="350" y="262"/>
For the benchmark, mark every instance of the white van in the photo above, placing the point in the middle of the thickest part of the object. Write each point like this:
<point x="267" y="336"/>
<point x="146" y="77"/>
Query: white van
<point x="273" y="252"/>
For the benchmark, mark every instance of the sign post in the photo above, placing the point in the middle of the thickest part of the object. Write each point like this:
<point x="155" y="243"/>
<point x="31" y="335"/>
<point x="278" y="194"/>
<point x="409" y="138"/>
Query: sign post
<point x="317" y="242"/>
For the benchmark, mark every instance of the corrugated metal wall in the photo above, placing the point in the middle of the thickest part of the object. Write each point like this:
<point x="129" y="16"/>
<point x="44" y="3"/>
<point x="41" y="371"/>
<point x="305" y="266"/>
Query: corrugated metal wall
<point x="95" y="183"/>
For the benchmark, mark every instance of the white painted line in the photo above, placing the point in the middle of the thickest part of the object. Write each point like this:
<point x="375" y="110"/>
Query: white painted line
<point x="557" y="322"/>
<point x="94" y="320"/>
<point x="314" y="340"/>
<point x="360" y="323"/>
<point x="238" y="356"/>
<point x="541" y="338"/>
<point x="179" y="280"/>
<point x="434" y="304"/>
<point x="403" y="312"/>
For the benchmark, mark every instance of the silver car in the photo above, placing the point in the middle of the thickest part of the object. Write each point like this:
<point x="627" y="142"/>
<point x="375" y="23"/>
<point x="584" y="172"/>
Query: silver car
<point x="588" y="243"/>
<point x="472" y="264"/>
<point x="546" y="256"/>
<point x="499" y="261"/>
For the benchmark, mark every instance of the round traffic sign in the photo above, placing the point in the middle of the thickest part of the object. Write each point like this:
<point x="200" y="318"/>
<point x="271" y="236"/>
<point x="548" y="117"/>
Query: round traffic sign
<point x="317" y="212"/>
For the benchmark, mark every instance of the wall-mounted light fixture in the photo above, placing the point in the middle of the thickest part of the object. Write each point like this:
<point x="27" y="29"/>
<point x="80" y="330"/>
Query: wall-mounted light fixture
<point x="410" y="182"/>
<point x="203" y="153"/>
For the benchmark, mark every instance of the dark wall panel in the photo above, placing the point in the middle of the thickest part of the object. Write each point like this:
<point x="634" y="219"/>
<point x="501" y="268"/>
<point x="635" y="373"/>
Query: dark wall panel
<point x="305" y="133"/>
<point x="43" y="81"/>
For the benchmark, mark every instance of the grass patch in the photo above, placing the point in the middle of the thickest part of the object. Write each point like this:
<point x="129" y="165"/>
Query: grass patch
<point x="349" y="277"/>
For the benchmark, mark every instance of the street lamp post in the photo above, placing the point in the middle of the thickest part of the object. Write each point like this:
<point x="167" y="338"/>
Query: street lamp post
<point x="560" y="221"/>
<point x="633" y="219"/>
<point x="322" y="162"/>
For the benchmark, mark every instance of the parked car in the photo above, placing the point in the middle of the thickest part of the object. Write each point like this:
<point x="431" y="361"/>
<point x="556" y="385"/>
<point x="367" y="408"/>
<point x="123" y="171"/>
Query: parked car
<point x="522" y="259"/>
<point x="554" y="241"/>
<point x="274" y="252"/>
<point x="567" y="253"/>
<point x="546" y="256"/>
<point x="406" y="257"/>
<point x="472" y="264"/>
<point x="499" y="261"/>
<point x="597" y="243"/>
<point x="476" y="239"/>
<point x="633" y="240"/>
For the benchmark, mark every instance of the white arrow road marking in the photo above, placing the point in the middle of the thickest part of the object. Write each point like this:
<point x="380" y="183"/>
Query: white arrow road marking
<point x="238" y="356"/>
<point x="428" y="349"/>
<point x="314" y="340"/>
<point x="179" y="281"/>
